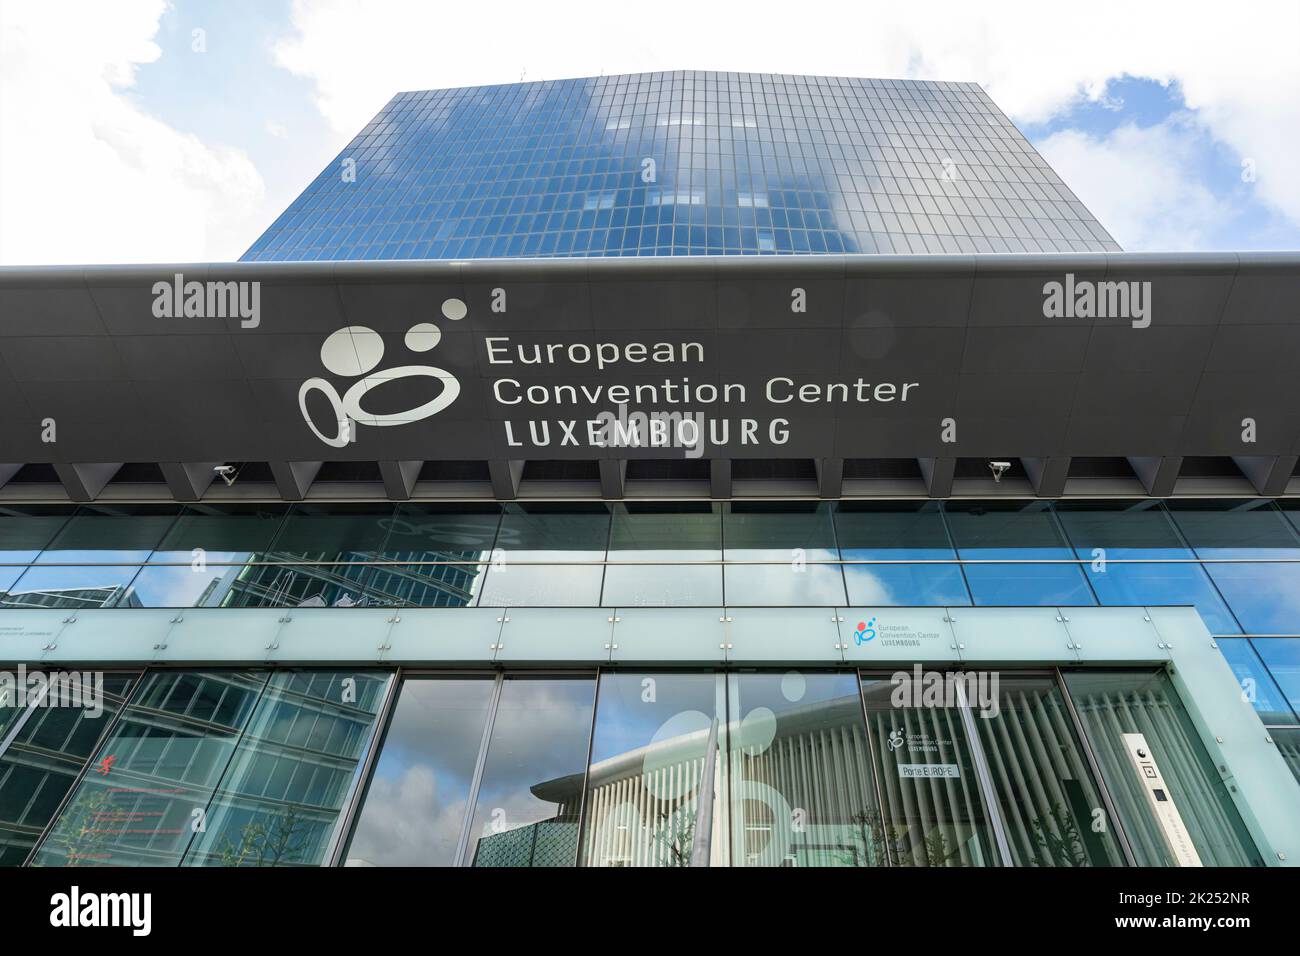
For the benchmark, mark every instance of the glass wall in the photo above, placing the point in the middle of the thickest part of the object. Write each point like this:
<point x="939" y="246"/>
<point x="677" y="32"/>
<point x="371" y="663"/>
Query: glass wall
<point x="1237" y="561"/>
<point x="415" y="805"/>
<point x="622" y="768"/>
<point x="648" y="770"/>
<point x="1051" y="809"/>
<point x="529" y="797"/>
<point x="42" y="750"/>
<point x="221" y="768"/>
<point x="800" y="786"/>
<point x="932" y="812"/>
<point x="1113" y="703"/>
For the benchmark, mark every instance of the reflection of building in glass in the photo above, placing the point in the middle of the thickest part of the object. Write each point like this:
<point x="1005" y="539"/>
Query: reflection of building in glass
<point x="263" y="764"/>
<point x="797" y="798"/>
<point x="78" y="597"/>
<point x="362" y="583"/>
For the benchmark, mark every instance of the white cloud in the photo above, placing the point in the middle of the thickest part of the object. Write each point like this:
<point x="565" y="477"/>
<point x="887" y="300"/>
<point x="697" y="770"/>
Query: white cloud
<point x="1141" y="184"/>
<point x="1238" y="69"/>
<point x="85" y="174"/>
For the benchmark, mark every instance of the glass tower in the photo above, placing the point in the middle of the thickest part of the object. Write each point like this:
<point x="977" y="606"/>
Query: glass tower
<point x="684" y="163"/>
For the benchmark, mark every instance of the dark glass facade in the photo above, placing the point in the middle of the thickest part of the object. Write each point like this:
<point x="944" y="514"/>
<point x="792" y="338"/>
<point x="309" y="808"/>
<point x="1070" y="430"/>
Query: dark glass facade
<point x="684" y="163"/>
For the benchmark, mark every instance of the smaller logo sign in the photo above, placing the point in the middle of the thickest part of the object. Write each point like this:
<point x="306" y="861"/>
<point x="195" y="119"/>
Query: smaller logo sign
<point x="866" y="632"/>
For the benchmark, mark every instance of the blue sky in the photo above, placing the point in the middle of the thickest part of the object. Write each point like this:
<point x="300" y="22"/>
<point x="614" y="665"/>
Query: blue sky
<point x="161" y="152"/>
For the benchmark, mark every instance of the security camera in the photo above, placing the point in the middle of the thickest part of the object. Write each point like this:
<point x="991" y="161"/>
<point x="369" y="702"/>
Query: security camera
<point x="999" y="468"/>
<point x="226" y="473"/>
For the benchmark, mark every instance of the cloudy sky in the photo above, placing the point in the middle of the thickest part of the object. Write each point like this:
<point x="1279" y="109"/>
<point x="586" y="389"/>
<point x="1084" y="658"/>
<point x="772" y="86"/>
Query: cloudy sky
<point x="148" y="131"/>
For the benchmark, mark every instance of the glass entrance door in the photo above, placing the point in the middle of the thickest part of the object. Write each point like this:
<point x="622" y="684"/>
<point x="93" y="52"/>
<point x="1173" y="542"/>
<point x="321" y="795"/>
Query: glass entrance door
<point x="1115" y="703"/>
<point x="932" y="812"/>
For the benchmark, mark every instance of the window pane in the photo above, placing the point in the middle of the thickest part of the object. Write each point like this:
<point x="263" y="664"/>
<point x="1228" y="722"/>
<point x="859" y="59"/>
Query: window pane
<point x="40" y="765"/>
<point x="224" y="532"/>
<point x="664" y="532"/>
<point x="906" y="585"/>
<point x="531" y="792"/>
<point x="552" y="585"/>
<point x="1005" y="529"/>
<point x="162" y="762"/>
<point x="1257" y="684"/>
<point x="892" y="531"/>
<point x="784" y="584"/>
<point x="72" y="587"/>
<point x="26" y="529"/>
<point x="550" y="532"/>
<point x="424" y="585"/>
<point x="779" y="531"/>
<point x="1282" y="657"/>
<point x="802" y="793"/>
<point x="1265" y="597"/>
<point x="198" y="561"/>
<point x="333" y="532"/>
<point x="1121" y="529"/>
<point x="418" y="795"/>
<point x="933" y="813"/>
<point x="1235" y="529"/>
<point x="662" y="585"/>
<point x="1041" y="778"/>
<point x="1162" y="585"/>
<point x="109" y="534"/>
<point x="1113" y="703"/>
<point x="279" y="800"/>
<point x="432" y="532"/>
<point x="1028" y="584"/>
<point x="647" y="761"/>
<point x="285" y="585"/>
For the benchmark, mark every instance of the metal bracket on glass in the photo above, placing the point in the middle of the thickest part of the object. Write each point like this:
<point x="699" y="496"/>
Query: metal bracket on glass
<point x="495" y="647"/>
<point x="611" y="647"/>
<point x="273" y="646"/>
<point x="724" y="620"/>
<point x="503" y="620"/>
<point x="613" y="620"/>
<point x="160" y="647"/>
<point x="177" y="619"/>
<point x="70" y="620"/>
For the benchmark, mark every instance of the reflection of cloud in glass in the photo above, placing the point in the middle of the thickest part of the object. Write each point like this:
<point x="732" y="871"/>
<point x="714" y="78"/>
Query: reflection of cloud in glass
<point x="782" y="584"/>
<point x="409" y="821"/>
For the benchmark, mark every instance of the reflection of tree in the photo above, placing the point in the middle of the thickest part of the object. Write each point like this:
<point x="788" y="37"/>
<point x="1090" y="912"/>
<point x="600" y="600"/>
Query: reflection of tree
<point x="81" y="832"/>
<point x="1061" y="840"/>
<point x="280" y="841"/>
<point x="937" y="851"/>
<point x="675" y="834"/>
<point x="871" y="841"/>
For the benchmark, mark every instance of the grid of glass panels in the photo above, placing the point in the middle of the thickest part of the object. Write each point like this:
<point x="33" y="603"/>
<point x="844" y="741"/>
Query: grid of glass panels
<point x="684" y="163"/>
<point x="1236" y="560"/>
<point x="794" y="767"/>
<point x="221" y="768"/>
